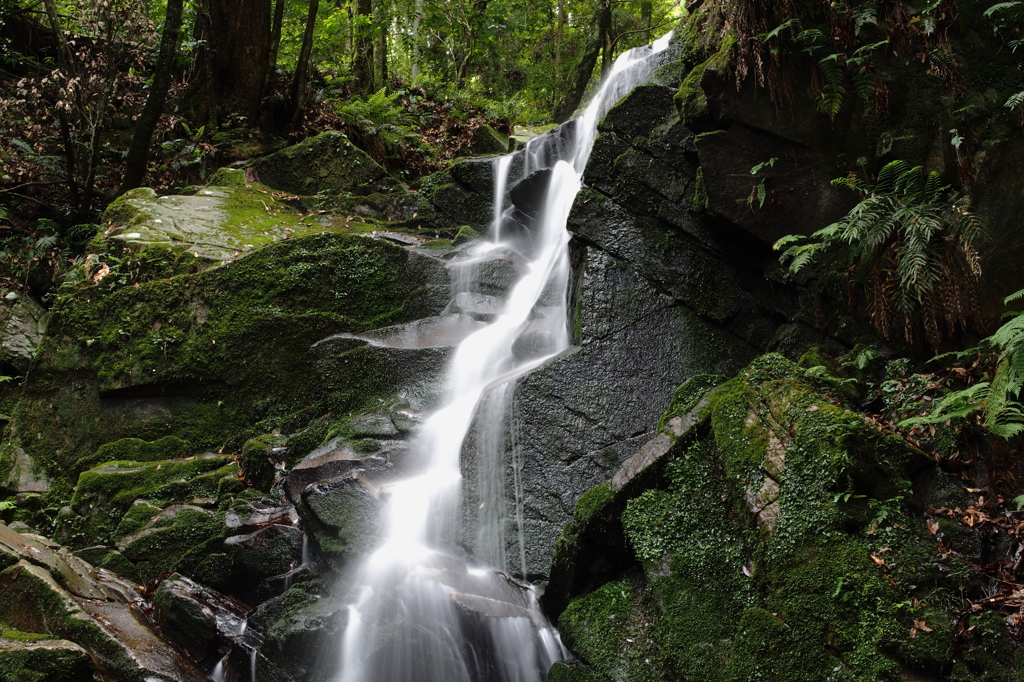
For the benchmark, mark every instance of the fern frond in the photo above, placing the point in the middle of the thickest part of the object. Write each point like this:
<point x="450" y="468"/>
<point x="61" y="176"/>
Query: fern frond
<point x="888" y="175"/>
<point x="1001" y="6"/>
<point x="1015" y="101"/>
<point x="793" y="238"/>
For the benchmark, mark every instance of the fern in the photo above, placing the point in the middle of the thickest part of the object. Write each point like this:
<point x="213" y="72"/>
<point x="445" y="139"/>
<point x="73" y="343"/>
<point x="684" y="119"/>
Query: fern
<point x="832" y="93"/>
<point x="1016" y="100"/>
<point x="997" y="400"/>
<point x="910" y="242"/>
<point x="1001" y="6"/>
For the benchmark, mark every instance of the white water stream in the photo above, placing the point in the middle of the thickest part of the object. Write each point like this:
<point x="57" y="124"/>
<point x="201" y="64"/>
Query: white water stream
<point x="419" y="614"/>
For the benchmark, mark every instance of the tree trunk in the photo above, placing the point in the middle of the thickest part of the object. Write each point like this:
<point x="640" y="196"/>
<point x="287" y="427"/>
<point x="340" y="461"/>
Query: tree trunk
<point x="646" y="17"/>
<point x="241" y="29"/>
<point x="362" y="55"/>
<point x="275" y="45"/>
<point x="138" y="153"/>
<point x="298" y="92"/>
<point x="414" y="71"/>
<point x="600" y="33"/>
<point x="380" y="46"/>
<point x="66" y="65"/>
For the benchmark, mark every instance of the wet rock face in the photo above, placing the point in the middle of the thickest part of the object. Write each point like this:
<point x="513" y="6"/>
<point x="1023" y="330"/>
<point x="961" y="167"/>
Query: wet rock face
<point x="661" y="294"/>
<point x="56" y="596"/>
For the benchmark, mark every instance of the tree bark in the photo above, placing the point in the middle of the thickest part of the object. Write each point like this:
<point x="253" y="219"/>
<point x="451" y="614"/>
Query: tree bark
<point x="298" y="92"/>
<point x="138" y="152"/>
<point x="414" y="71"/>
<point x="275" y="46"/>
<point x="380" y="46"/>
<point x="600" y="32"/>
<point x="362" y="55"/>
<point x="66" y="64"/>
<point x="241" y="29"/>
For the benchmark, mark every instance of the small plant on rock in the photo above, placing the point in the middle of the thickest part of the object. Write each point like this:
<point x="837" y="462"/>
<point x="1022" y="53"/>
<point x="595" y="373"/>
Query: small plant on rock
<point x="910" y="243"/>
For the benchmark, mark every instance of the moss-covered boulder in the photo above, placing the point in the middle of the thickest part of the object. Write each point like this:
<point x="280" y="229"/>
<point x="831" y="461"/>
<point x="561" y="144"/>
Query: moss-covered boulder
<point x="327" y="162"/>
<point x="106" y="503"/>
<point x="768" y="532"/>
<point x="38" y="658"/>
<point x="178" y="234"/>
<point x="48" y="591"/>
<point x="205" y="356"/>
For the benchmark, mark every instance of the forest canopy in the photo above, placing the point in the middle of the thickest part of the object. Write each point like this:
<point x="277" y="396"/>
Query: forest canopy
<point x="95" y="94"/>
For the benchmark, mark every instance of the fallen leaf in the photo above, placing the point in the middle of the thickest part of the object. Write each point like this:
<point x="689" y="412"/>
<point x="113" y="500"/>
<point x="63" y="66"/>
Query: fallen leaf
<point x="813" y="408"/>
<point x="879" y="561"/>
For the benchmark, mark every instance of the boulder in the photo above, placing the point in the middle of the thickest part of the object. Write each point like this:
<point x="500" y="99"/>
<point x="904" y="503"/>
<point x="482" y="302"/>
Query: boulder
<point x="106" y="493"/>
<point x="324" y="163"/>
<point x="721" y="535"/>
<point x="272" y="550"/>
<point x="184" y="619"/>
<point x="348" y="507"/>
<point x="202" y="355"/>
<point x="48" y="590"/>
<point x="22" y="326"/>
<point x="178" y="538"/>
<point x="34" y="658"/>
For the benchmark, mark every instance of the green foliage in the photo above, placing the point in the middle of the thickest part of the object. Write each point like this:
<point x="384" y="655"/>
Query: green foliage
<point x="997" y="401"/>
<point x="760" y="192"/>
<point x="911" y="243"/>
<point x="382" y="126"/>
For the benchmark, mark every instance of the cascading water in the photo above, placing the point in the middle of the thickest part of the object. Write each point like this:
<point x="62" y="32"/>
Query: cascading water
<point x="419" y="613"/>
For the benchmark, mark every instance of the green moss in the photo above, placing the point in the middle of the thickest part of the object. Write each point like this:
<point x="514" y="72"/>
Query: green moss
<point x="688" y="395"/>
<point x="438" y="245"/>
<point x="574" y="671"/>
<point x="828" y="587"/>
<point x="136" y="450"/>
<point x="176" y="543"/>
<point x="46" y="663"/>
<point x="106" y="493"/>
<point x="33" y="604"/>
<point x="690" y="99"/>
<point x="606" y="629"/>
<point x="257" y="466"/>
<point x="19" y="636"/>
<point x="222" y="349"/>
<point x="465" y="234"/>
<point x="366" y="446"/>
<point x="592" y="502"/>
<point x="135" y="519"/>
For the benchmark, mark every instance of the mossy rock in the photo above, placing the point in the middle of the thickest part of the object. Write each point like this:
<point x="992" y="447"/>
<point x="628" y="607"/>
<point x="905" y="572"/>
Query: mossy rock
<point x="152" y="236"/>
<point x="179" y="538"/>
<point x="136" y="450"/>
<point x="205" y="356"/>
<point x="257" y="466"/>
<point x="39" y="658"/>
<point x="117" y="498"/>
<point x="781" y="541"/>
<point x="327" y="162"/>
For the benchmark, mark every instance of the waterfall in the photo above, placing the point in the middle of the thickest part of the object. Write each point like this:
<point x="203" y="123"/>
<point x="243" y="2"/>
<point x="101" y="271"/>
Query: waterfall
<point x="420" y="613"/>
